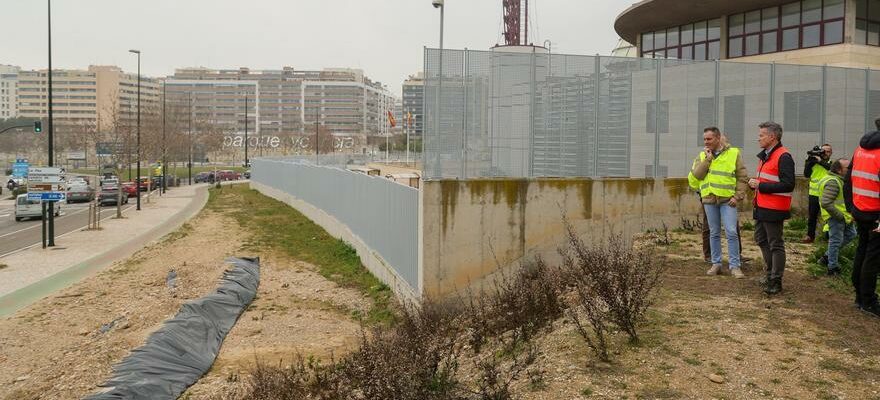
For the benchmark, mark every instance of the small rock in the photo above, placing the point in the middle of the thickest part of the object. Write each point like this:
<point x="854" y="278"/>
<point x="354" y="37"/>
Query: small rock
<point x="286" y="285"/>
<point x="83" y="332"/>
<point x="22" y="378"/>
<point x="716" y="378"/>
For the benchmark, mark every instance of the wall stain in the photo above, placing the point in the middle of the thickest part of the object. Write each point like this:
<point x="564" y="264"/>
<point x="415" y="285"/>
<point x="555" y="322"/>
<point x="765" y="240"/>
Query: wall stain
<point x="677" y="187"/>
<point x="584" y="186"/>
<point x="449" y="198"/>
<point x="511" y="190"/>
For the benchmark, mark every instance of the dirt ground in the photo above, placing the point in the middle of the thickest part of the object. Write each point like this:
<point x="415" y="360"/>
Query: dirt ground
<point x="808" y="343"/>
<point x="63" y="346"/>
<point x="706" y="338"/>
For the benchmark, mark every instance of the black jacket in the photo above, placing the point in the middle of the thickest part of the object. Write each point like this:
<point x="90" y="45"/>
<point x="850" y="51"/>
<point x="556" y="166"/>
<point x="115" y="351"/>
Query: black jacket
<point x="811" y="161"/>
<point x="869" y="141"/>
<point x="785" y="185"/>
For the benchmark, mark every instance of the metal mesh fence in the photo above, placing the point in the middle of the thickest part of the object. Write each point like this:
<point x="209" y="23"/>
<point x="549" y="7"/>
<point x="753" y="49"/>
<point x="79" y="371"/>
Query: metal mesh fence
<point x="521" y="112"/>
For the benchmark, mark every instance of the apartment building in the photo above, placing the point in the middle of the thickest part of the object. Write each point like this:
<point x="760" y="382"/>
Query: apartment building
<point x="283" y="101"/>
<point x="92" y="97"/>
<point x="8" y="91"/>
<point x="413" y="103"/>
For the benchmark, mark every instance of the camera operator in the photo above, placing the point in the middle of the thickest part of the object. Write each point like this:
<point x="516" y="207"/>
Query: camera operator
<point x="817" y="165"/>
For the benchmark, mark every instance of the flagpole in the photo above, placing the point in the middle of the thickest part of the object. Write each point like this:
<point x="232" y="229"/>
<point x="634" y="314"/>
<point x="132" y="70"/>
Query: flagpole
<point x="408" y="126"/>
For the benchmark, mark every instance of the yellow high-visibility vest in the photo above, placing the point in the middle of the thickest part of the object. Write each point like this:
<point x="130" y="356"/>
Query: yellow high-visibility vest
<point x="721" y="179"/>
<point x="838" y="202"/>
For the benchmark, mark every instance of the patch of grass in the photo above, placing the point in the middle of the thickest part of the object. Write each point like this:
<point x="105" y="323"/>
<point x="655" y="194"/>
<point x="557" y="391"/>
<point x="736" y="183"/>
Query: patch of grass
<point x="693" y="361"/>
<point x="277" y="226"/>
<point x="659" y="393"/>
<point x="587" y="392"/>
<point x="180" y="233"/>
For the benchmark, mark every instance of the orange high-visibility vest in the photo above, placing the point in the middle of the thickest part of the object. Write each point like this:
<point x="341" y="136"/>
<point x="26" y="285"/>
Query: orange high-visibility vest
<point x="769" y="172"/>
<point x="865" y="183"/>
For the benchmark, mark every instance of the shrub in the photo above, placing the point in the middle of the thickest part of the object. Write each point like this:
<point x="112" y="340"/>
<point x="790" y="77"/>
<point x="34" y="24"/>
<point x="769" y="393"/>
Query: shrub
<point x="612" y="283"/>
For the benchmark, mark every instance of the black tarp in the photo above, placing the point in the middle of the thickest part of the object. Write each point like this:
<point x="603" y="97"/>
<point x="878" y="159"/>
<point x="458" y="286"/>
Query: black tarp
<point x="179" y="353"/>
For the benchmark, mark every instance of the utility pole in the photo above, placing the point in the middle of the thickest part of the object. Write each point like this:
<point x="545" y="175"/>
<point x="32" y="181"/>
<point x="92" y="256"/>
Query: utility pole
<point x="138" y="177"/>
<point x="246" y="163"/>
<point x="51" y="230"/>
<point x="164" y="144"/>
<point x="190" y="163"/>
<point x="317" y="115"/>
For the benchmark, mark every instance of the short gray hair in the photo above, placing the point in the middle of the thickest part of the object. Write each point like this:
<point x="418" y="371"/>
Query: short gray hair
<point x="774" y="128"/>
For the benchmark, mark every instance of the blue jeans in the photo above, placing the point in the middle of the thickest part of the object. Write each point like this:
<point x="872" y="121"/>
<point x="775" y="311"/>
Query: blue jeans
<point x="717" y="214"/>
<point x="839" y="234"/>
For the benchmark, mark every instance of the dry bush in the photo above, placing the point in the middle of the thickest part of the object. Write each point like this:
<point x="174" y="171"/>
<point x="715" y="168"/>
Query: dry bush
<point x="421" y="356"/>
<point x="516" y="308"/>
<point x="612" y="283"/>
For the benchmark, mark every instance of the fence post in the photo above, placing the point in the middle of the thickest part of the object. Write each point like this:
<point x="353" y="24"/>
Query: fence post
<point x="824" y="95"/>
<point x="773" y="91"/>
<point x="596" y="86"/>
<point x="657" y="65"/>
<point x="867" y="99"/>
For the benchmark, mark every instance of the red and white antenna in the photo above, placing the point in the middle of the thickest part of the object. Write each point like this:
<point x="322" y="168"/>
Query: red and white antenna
<point x="513" y="20"/>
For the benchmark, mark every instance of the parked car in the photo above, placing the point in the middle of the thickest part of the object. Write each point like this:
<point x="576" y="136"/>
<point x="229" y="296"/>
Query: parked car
<point x="247" y="174"/>
<point x="25" y="208"/>
<point x="202" y="177"/>
<point x="128" y="189"/>
<point x="110" y="182"/>
<point x="228" y="175"/>
<point x="109" y="196"/>
<point x="79" y="192"/>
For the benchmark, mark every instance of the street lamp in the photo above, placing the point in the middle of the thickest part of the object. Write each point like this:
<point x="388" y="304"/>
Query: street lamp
<point x="51" y="225"/>
<point x="438" y="4"/>
<point x="138" y="178"/>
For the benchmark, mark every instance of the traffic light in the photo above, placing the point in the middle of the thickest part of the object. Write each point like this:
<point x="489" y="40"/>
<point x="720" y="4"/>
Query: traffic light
<point x="38" y="126"/>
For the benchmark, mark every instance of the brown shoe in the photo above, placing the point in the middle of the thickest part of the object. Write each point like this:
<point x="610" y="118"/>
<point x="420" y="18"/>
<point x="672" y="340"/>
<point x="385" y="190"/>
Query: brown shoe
<point x="807" y="239"/>
<point x="737" y="273"/>
<point x="715" y="270"/>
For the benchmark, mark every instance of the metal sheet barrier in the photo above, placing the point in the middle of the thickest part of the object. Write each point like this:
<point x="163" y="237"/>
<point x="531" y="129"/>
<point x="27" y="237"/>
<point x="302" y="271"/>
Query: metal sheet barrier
<point x="382" y="213"/>
<point x="521" y="112"/>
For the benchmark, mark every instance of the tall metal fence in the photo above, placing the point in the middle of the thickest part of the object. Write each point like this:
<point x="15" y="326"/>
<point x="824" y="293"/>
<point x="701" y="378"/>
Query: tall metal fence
<point x="382" y="213"/>
<point x="521" y="112"/>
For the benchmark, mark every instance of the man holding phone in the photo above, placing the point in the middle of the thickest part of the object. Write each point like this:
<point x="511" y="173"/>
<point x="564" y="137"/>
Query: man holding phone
<point x="862" y="193"/>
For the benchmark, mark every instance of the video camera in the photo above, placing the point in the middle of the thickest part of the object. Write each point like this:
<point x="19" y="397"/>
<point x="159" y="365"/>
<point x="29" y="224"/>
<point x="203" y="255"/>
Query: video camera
<point x="816" y="151"/>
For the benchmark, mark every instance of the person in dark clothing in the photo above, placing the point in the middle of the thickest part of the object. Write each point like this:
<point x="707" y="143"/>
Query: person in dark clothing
<point x="772" y="206"/>
<point x="815" y="168"/>
<point x="863" y="173"/>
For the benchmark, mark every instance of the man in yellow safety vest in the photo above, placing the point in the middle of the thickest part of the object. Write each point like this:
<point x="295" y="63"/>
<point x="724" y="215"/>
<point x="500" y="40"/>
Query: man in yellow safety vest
<point x="840" y="228"/>
<point x="723" y="182"/>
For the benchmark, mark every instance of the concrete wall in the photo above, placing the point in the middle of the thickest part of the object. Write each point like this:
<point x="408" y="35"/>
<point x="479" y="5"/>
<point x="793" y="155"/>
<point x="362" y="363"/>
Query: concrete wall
<point x="473" y="227"/>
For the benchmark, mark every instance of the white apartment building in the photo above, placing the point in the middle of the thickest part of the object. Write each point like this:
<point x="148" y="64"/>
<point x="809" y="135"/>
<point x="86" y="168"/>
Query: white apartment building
<point x="8" y="91"/>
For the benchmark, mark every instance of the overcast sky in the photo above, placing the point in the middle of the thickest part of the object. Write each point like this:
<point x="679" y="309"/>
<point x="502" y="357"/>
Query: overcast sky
<point x="383" y="37"/>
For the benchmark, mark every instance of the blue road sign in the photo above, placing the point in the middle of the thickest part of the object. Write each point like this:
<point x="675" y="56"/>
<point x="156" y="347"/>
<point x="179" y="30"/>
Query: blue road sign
<point x="46" y="196"/>
<point x="20" y="168"/>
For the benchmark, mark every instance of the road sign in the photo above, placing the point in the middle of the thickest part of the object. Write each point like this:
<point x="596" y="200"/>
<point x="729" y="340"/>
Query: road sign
<point x="76" y="155"/>
<point x="45" y="171"/>
<point x="47" y="178"/>
<point x="20" y="168"/>
<point x="45" y="187"/>
<point x="47" y="196"/>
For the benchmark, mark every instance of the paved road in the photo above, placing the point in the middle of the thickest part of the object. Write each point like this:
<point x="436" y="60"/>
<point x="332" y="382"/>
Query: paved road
<point x="15" y="236"/>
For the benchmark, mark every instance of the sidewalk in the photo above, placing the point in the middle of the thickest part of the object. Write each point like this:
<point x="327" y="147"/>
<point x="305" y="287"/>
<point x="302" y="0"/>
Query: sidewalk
<point x="36" y="272"/>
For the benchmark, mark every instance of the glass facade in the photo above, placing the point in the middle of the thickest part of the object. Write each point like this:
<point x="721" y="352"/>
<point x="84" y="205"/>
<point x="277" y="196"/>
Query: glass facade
<point x="867" y="22"/>
<point x="796" y="25"/>
<point x="697" y="41"/>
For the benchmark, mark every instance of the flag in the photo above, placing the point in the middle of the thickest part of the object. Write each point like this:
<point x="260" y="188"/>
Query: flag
<point x="391" y="119"/>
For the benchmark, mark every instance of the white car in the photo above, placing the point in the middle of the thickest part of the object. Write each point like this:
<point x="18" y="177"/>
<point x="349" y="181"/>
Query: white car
<point x="25" y="208"/>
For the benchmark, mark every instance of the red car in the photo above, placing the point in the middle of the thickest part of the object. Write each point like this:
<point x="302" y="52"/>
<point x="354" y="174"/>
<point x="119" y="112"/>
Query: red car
<point x="228" y="175"/>
<point x="129" y="189"/>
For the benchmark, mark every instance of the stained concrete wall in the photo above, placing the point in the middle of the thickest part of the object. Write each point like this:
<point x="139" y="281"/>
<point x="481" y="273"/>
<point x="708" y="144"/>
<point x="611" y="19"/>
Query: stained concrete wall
<point x="473" y="228"/>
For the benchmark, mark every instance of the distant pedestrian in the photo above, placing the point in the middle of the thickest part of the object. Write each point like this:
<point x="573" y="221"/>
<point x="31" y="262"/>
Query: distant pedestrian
<point x="862" y="193"/>
<point x="723" y="181"/>
<point x="772" y="206"/>
<point x="839" y="221"/>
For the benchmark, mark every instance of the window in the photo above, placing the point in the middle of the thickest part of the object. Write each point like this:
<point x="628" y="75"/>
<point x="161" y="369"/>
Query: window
<point x="651" y="118"/>
<point x="697" y="41"/>
<point x="867" y="22"/>
<point x="796" y="25"/>
<point x="802" y="111"/>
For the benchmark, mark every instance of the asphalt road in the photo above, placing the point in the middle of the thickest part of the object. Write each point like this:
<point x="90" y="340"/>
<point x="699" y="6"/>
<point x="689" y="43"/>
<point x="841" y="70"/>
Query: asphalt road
<point x="15" y="236"/>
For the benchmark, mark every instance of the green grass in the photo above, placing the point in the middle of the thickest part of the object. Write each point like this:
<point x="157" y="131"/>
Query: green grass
<point x="278" y="226"/>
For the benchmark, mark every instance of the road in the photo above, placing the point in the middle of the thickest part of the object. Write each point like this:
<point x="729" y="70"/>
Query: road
<point x="16" y="236"/>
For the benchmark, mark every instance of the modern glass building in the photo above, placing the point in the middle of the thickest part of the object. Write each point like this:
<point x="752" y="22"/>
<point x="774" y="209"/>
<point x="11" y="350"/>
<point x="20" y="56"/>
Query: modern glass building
<point x="816" y="32"/>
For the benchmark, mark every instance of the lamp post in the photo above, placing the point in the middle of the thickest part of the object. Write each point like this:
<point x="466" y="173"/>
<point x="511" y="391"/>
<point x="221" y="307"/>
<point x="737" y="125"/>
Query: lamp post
<point x="51" y="205"/>
<point x="190" y="162"/>
<point x="138" y="178"/>
<point x="164" y="143"/>
<point x="246" y="163"/>
<point x="438" y="4"/>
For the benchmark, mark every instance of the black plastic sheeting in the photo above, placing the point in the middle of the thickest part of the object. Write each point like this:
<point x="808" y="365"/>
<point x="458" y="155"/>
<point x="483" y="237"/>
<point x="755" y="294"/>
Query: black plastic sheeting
<point x="179" y="353"/>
